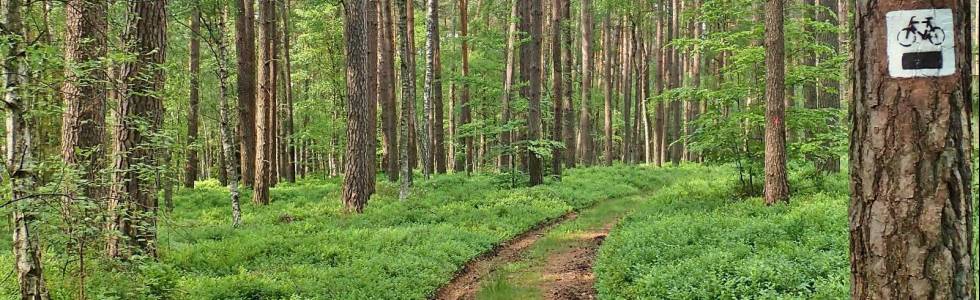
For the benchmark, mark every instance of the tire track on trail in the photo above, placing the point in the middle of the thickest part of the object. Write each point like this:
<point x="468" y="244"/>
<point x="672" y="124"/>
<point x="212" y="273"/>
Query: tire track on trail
<point x="552" y="261"/>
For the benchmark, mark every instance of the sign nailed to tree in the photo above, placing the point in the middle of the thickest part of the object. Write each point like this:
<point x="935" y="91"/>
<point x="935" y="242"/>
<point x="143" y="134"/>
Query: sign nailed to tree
<point x="920" y="43"/>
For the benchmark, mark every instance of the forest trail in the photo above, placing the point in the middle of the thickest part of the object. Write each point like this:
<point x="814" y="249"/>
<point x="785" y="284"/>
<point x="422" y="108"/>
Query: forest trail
<point x="553" y="261"/>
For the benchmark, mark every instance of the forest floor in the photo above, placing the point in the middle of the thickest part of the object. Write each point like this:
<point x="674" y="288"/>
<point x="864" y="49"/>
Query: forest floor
<point x="553" y="261"/>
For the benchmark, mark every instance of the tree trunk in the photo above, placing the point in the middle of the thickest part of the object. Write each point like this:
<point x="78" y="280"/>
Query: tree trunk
<point x="627" y="72"/>
<point x="676" y="118"/>
<point x="585" y="116"/>
<point x="607" y="42"/>
<point x="568" y="103"/>
<point x="191" y="166"/>
<point x="557" y="80"/>
<point x="20" y="163"/>
<point x="228" y="143"/>
<point x="432" y="86"/>
<point x="133" y="199"/>
<point x="386" y="91"/>
<point x="287" y="123"/>
<point x="659" y="122"/>
<point x="245" y="47"/>
<point x="826" y="98"/>
<point x="357" y="187"/>
<point x="408" y="98"/>
<point x="911" y="213"/>
<point x="438" y="130"/>
<point x="264" y="105"/>
<point x="84" y="93"/>
<point x="464" y="93"/>
<point x="776" y="185"/>
<point x="529" y="14"/>
<point x="507" y="157"/>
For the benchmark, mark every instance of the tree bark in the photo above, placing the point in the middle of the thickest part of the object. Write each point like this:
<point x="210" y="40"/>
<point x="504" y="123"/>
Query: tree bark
<point x="407" y="63"/>
<point x="228" y="143"/>
<point x="464" y="93"/>
<point x="264" y="104"/>
<point x="386" y="91"/>
<point x="245" y="47"/>
<point x="557" y="80"/>
<point x="659" y="122"/>
<point x="607" y="90"/>
<point x="627" y="73"/>
<point x="133" y="198"/>
<point x="438" y="129"/>
<point x="826" y="98"/>
<point x="507" y="157"/>
<point x="911" y="211"/>
<point x="84" y="93"/>
<point x="585" y="116"/>
<point x="776" y="185"/>
<point x="568" y="103"/>
<point x="20" y="163"/>
<point x="529" y="14"/>
<point x="432" y="86"/>
<point x="358" y="177"/>
<point x="192" y="162"/>
<point x="287" y="123"/>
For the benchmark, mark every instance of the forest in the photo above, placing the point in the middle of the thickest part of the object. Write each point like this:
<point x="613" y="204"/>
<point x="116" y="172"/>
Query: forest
<point x="480" y="149"/>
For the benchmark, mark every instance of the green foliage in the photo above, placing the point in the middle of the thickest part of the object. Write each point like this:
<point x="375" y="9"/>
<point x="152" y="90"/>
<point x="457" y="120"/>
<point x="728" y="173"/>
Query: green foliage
<point x="303" y="246"/>
<point x="691" y="241"/>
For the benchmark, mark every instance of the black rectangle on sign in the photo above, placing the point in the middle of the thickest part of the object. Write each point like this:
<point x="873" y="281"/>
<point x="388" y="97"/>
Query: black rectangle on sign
<point x="922" y="60"/>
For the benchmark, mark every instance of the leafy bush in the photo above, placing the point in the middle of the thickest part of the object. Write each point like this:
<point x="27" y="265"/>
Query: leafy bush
<point x="691" y="241"/>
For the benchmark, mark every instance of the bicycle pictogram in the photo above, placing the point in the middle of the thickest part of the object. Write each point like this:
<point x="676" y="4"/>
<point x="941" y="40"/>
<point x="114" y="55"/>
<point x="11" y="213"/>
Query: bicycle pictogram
<point x="912" y="33"/>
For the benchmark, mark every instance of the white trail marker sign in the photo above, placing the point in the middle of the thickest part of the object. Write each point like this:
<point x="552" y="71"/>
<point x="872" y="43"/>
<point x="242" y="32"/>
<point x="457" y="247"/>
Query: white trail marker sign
<point x="920" y="43"/>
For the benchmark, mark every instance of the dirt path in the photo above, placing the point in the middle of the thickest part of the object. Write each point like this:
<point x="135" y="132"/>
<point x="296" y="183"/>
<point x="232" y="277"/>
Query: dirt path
<point x="568" y="274"/>
<point x="467" y="282"/>
<point x="553" y="261"/>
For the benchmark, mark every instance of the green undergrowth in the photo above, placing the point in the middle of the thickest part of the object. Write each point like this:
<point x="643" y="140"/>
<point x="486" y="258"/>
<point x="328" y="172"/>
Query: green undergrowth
<point x="303" y="247"/>
<point x="692" y="240"/>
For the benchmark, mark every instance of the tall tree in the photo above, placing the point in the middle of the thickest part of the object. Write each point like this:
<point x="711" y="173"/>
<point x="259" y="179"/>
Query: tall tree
<point x="84" y="92"/>
<point x="228" y="143"/>
<point x="529" y="14"/>
<point x="661" y="57"/>
<point x="673" y="73"/>
<point x="264" y="105"/>
<point x="438" y="127"/>
<point x="139" y="118"/>
<point x="386" y="90"/>
<point x="408" y="98"/>
<point x="506" y="157"/>
<point x="357" y="188"/>
<point x="585" y="116"/>
<point x="607" y="41"/>
<point x="287" y="123"/>
<point x="464" y="94"/>
<point x="568" y="103"/>
<point x="557" y="80"/>
<point x="20" y="163"/>
<point x="247" y="85"/>
<point x="911" y="214"/>
<point x="191" y="163"/>
<point x="776" y="185"/>
<point x="627" y="72"/>
<point x="371" y="20"/>
<point x="829" y="88"/>
<point x="431" y="84"/>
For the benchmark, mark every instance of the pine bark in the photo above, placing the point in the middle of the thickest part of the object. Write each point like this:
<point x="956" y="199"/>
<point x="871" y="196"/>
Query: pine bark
<point x="19" y="160"/>
<point x="432" y="86"/>
<point x="557" y="81"/>
<point x="529" y="14"/>
<point x="438" y="114"/>
<point x="659" y="120"/>
<point x="289" y="169"/>
<point x="464" y="93"/>
<point x="139" y="117"/>
<point x="911" y="211"/>
<point x="568" y="103"/>
<point x="264" y="104"/>
<point x="247" y="85"/>
<point x="627" y="73"/>
<point x="507" y="158"/>
<point x="358" y="178"/>
<point x="776" y="185"/>
<point x="585" y="116"/>
<point x="84" y="93"/>
<point x="607" y="91"/>
<point x="194" y="99"/>
<point x="407" y="63"/>
<point x="386" y="91"/>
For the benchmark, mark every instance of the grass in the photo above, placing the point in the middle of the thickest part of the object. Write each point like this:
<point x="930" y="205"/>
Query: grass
<point x="693" y="241"/>
<point x="303" y="247"/>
